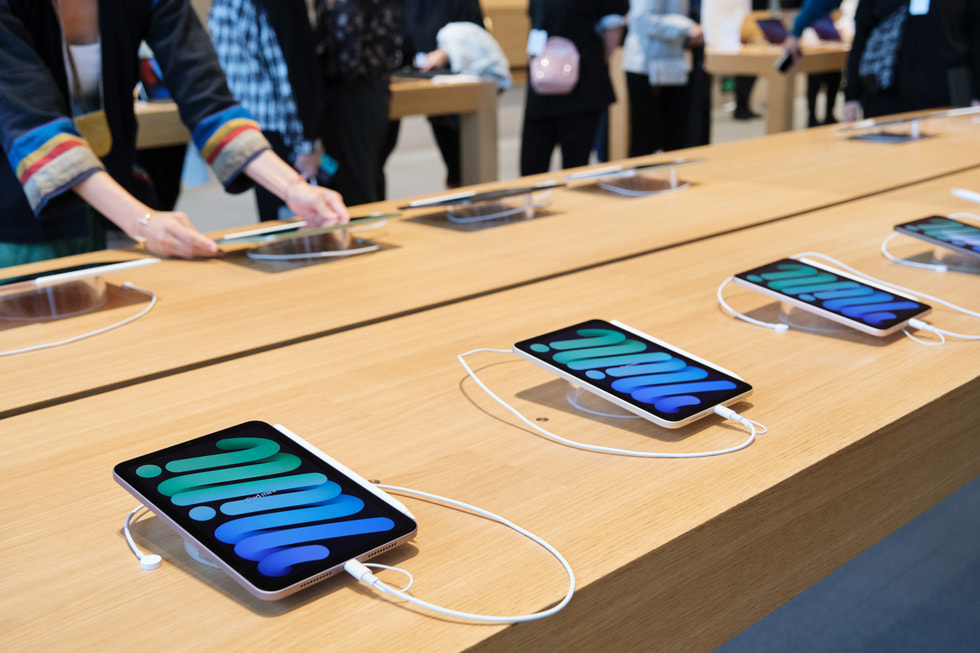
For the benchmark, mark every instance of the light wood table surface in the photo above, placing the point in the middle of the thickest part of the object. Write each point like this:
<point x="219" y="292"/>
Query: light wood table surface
<point x="475" y="101"/>
<point x="211" y="310"/>
<point x="864" y="434"/>
<point x="758" y="59"/>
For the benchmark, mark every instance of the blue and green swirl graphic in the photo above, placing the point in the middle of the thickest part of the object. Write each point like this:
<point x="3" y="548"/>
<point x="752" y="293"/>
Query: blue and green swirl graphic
<point x="271" y="513"/>
<point x="948" y="231"/>
<point x="632" y="367"/>
<point x="834" y="293"/>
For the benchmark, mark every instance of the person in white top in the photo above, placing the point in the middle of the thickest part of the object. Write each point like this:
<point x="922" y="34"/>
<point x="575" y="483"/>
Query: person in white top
<point x="657" y="65"/>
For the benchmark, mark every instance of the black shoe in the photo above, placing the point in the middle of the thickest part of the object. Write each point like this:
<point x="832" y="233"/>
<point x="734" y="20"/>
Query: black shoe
<point x="745" y="114"/>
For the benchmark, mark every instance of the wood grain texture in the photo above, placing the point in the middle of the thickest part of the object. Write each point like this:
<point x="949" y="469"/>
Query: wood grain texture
<point x="221" y="308"/>
<point x="672" y="555"/>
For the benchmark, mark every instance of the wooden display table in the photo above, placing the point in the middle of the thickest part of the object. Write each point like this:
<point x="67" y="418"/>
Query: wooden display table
<point x="864" y="434"/>
<point x="475" y="101"/>
<point x="758" y="59"/>
<point x="210" y="311"/>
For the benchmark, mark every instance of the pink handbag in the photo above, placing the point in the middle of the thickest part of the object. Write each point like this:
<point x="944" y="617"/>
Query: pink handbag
<point x="555" y="70"/>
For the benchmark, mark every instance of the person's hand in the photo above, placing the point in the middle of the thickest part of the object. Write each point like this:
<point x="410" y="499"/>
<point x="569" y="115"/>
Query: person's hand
<point x="696" y="36"/>
<point x="435" y="60"/>
<point x="170" y="233"/>
<point x="307" y="164"/>
<point x="792" y="46"/>
<point x="317" y="205"/>
<point x="852" y="110"/>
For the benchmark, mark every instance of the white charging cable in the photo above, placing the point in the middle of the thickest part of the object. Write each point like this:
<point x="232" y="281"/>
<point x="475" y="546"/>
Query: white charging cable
<point x="754" y="428"/>
<point x="936" y="267"/>
<point x="68" y="341"/>
<point x="361" y="572"/>
<point x="778" y="327"/>
<point x="148" y="561"/>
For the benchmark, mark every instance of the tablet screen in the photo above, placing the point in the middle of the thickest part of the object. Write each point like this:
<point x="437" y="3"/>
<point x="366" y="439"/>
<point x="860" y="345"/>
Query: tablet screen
<point x="944" y="231"/>
<point x="271" y="509"/>
<point x="645" y="374"/>
<point x="829" y="291"/>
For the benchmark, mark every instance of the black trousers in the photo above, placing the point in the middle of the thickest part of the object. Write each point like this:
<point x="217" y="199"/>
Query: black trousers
<point x="659" y="116"/>
<point x="575" y="135"/>
<point x="446" y="130"/>
<point x="354" y="126"/>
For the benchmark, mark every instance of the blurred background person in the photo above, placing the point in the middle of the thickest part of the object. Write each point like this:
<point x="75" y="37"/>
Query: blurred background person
<point x="931" y="60"/>
<point x="359" y="45"/>
<point x="810" y="12"/>
<point x="266" y="50"/>
<point x="657" y="67"/>
<point x="570" y="120"/>
<point x="421" y="22"/>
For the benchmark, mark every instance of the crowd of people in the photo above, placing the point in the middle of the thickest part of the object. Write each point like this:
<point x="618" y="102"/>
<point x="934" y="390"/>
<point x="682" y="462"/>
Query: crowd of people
<point x="291" y="97"/>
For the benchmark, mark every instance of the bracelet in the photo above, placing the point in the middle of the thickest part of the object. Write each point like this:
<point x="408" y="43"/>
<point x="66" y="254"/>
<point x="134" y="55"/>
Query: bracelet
<point x="145" y="220"/>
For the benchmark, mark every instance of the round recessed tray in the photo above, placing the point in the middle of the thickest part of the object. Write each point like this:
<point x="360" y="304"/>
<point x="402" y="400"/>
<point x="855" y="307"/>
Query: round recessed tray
<point x="334" y="244"/>
<point x="956" y="261"/>
<point x="807" y="321"/>
<point x="591" y="403"/>
<point x="54" y="302"/>
<point x="519" y="207"/>
<point x="639" y="185"/>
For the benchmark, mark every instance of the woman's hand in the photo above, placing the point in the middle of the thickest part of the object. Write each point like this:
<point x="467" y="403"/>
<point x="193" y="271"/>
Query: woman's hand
<point x="170" y="233"/>
<point x="317" y="205"/>
<point x="852" y="110"/>
<point x="435" y="60"/>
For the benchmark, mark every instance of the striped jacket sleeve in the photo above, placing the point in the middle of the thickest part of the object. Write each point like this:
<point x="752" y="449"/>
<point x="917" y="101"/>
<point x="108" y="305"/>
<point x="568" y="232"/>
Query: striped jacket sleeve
<point x="43" y="148"/>
<point x="226" y="134"/>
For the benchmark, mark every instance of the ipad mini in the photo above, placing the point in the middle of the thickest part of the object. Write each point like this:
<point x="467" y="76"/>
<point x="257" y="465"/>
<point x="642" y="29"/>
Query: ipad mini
<point x="959" y="236"/>
<point x="834" y="295"/>
<point x="659" y="382"/>
<point x="271" y="510"/>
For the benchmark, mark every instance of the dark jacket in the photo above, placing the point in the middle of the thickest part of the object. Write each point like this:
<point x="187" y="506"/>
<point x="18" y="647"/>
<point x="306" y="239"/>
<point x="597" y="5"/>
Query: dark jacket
<point x="576" y="21"/>
<point x="943" y="43"/>
<point x="45" y="155"/>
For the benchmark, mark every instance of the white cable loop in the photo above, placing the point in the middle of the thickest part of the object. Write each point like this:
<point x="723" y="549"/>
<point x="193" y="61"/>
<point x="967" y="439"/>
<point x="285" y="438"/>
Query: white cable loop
<point x="68" y="341"/>
<point x="936" y="267"/>
<point x="753" y="427"/>
<point x="354" y="567"/>
<point x="775" y="326"/>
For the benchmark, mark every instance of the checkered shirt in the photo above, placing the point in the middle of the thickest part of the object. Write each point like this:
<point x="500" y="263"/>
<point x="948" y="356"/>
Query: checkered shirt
<point x="256" y="69"/>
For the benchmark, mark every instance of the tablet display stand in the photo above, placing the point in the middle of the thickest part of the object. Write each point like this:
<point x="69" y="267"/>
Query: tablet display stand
<point x="956" y="261"/>
<point x="884" y="136"/>
<point x="330" y="245"/>
<point x="518" y="207"/>
<point x="804" y="320"/>
<point x="589" y="402"/>
<point x="54" y="302"/>
<point x="196" y="554"/>
<point x="637" y="183"/>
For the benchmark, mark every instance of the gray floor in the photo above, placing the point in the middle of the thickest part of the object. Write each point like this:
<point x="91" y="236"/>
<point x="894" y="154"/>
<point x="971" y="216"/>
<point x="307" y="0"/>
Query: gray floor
<point x="916" y="591"/>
